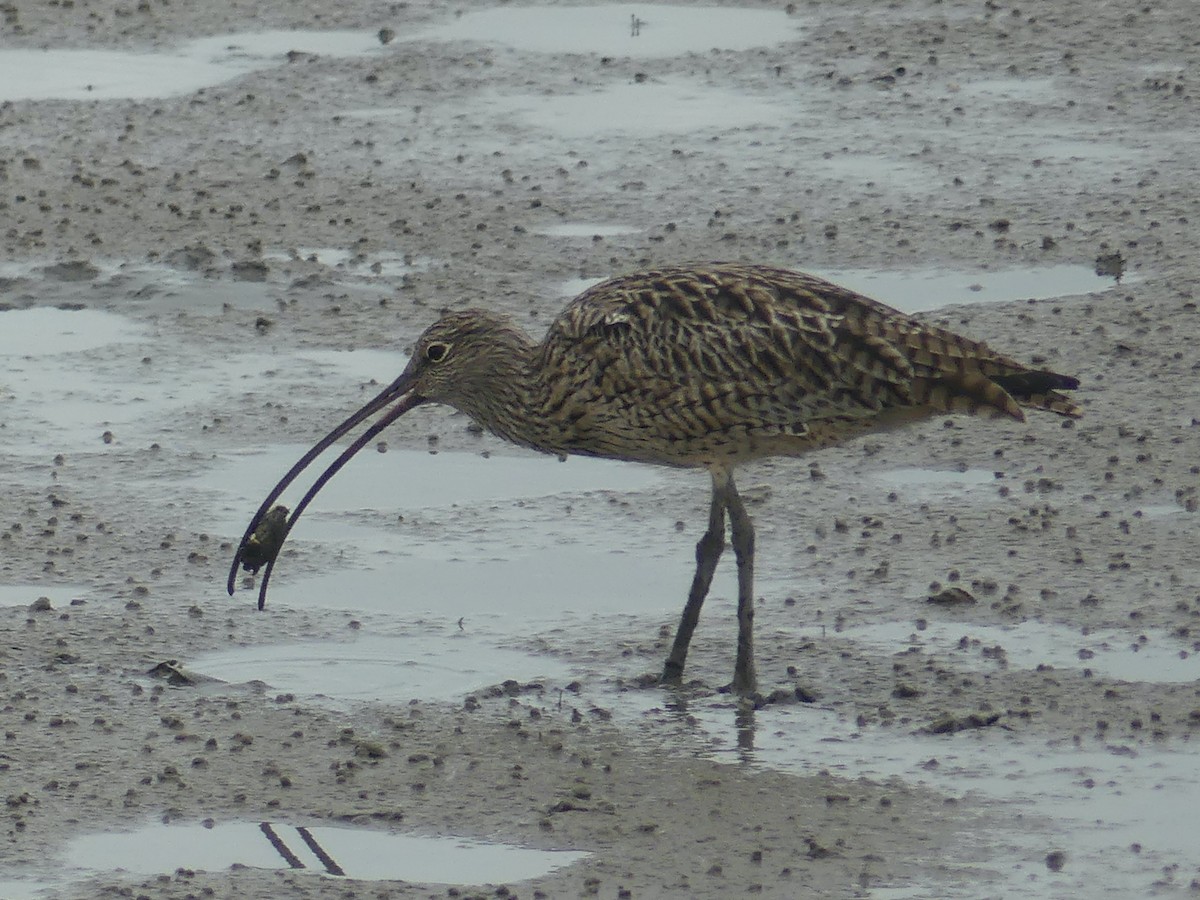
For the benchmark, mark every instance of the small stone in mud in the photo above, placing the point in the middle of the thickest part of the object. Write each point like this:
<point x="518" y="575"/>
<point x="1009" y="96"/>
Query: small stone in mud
<point x="816" y="851"/>
<point x="41" y="604"/>
<point x="954" y="596"/>
<point x="1110" y="265"/>
<point x="1055" y="860"/>
<point x="264" y="544"/>
<point x="77" y="270"/>
<point x="190" y="258"/>
<point x="370" y="750"/>
<point x="169" y="670"/>
<point x="949" y="724"/>
<point x="250" y="270"/>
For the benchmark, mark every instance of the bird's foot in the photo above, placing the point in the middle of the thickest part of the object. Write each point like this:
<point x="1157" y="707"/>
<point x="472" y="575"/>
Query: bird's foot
<point x="745" y="694"/>
<point x="672" y="673"/>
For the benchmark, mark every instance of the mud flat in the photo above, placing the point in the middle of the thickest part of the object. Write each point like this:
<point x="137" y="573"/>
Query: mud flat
<point x="224" y="223"/>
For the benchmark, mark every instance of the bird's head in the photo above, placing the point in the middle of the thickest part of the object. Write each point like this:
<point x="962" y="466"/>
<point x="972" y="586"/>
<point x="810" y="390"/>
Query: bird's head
<point x="466" y="359"/>
<point x="459" y="358"/>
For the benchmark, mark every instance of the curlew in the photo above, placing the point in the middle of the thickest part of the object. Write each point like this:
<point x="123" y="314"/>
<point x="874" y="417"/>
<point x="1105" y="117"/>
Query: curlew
<point x="706" y="366"/>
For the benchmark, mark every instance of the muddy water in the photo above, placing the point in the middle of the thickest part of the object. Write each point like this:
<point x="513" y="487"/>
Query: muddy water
<point x="614" y="29"/>
<point x="343" y="852"/>
<point x="922" y="290"/>
<point x="51" y="74"/>
<point x="216" y="247"/>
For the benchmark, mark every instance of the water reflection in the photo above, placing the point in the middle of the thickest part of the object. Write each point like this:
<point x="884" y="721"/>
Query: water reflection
<point x="744" y="724"/>
<point x="348" y="852"/>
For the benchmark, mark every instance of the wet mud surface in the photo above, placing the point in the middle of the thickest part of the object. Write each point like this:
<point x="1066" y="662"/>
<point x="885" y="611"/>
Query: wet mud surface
<point x="979" y="640"/>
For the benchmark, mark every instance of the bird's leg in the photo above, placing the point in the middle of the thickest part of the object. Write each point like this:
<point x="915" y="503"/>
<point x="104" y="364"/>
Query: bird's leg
<point x="708" y="551"/>
<point x="745" y="682"/>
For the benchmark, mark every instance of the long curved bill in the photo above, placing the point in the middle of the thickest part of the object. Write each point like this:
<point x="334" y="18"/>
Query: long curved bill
<point x="269" y="528"/>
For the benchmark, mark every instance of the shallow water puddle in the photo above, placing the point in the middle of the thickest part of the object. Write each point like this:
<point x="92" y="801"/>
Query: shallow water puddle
<point x="353" y="852"/>
<point x="434" y="665"/>
<point x="667" y="106"/>
<point x="490" y="552"/>
<point x="1080" y="150"/>
<point x="68" y="406"/>
<point x="865" y="168"/>
<point x="105" y="74"/>
<point x="1121" y="810"/>
<point x="505" y="569"/>
<point x="559" y="586"/>
<point x="924" y="484"/>
<point x="327" y="256"/>
<point x="585" y="230"/>
<point x="409" y="480"/>
<point x="157" y="285"/>
<point x="612" y="112"/>
<point x="416" y="537"/>
<point x="1160" y="510"/>
<point x="25" y="594"/>
<point x="116" y="74"/>
<point x="46" y="331"/>
<point x="23" y="889"/>
<point x="616" y="30"/>
<point x="54" y="402"/>
<point x="1043" y="89"/>
<point x="643" y="31"/>
<point x="1092" y="804"/>
<point x="274" y="46"/>
<point x="69" y="376"/>
<point x="162" y="287"/>
<point x="922" y="290"/>
<point x="1150" y="657"/>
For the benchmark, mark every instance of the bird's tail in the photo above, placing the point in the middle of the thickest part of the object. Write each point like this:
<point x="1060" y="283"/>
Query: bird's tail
<point x="990" y="394"/>
<point x="1040" y="390"/>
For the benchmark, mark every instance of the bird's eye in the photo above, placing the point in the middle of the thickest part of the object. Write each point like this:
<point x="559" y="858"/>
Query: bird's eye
<point x="437" y="351"/>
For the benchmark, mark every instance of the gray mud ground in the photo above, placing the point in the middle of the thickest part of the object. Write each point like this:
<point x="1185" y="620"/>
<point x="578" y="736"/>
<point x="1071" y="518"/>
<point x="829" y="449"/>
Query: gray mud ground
<point x="965" y="136"/>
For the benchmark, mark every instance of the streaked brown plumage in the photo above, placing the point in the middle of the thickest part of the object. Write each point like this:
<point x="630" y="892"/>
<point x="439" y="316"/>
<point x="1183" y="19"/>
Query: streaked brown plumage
<point x="702" y="366"/>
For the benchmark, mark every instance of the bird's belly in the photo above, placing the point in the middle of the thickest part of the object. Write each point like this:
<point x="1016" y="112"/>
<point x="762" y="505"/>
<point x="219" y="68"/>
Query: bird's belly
<point x="663" y="444"/>
<point x="690" y="440"/>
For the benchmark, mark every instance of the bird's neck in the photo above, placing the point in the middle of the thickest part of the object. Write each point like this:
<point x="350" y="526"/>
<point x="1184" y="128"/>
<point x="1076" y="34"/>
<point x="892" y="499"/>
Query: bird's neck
<point x="503" y="394"/>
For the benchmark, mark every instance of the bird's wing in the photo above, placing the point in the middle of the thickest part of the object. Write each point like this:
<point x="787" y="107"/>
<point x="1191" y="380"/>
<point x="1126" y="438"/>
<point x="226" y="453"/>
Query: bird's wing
<point x="947" y="366"/>
<point x="780" y="346"/>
